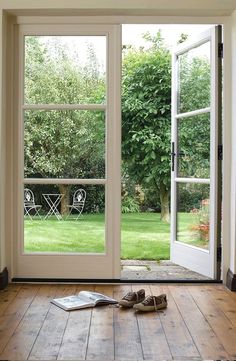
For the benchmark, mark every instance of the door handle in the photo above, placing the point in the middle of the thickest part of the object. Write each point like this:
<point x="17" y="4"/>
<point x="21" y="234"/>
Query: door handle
<point x="173" y="154"/>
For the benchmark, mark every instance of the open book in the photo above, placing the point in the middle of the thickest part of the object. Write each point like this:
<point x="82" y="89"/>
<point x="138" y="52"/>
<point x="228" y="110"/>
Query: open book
<point x="83" y="300"/>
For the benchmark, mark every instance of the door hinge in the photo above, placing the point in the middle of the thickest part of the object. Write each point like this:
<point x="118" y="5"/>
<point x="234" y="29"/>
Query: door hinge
<point x="220" y="152"/>
<point x="220" y="50"/>
<point x="219" y="254"/>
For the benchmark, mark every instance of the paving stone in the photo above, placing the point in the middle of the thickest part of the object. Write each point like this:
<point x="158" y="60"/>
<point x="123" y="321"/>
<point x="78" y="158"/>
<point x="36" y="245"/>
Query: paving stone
<point x="153" y="270"/>
<point x="135" y="268"/>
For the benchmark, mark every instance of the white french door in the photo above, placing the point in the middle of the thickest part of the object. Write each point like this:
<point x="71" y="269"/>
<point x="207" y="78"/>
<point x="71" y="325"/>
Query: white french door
<point x="68" y="139"/>
<point x="195" y="198"/>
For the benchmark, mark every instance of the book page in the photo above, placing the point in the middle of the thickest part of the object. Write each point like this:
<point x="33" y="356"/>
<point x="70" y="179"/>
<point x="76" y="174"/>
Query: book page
<point x="96" y="297"/>
<point x="73" y="302"/>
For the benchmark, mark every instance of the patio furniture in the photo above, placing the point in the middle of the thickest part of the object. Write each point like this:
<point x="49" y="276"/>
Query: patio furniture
<point x="53" y="200"/>
<point x="29" y="204"/>
<point x="79" y="198"/>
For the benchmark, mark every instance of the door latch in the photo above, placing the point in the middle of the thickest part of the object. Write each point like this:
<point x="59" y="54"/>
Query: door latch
<point x="173" y="154"/>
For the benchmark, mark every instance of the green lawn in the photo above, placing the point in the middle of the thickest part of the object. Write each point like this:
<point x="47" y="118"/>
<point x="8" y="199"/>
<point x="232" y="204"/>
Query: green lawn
<point x="144" y="236"/>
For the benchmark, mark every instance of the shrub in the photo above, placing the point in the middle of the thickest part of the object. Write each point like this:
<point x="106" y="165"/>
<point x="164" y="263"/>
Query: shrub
<point x="129" y="205"/>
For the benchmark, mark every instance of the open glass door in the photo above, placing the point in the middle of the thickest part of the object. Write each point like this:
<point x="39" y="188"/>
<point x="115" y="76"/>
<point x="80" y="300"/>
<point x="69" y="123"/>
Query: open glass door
<point x="195" y="194"/>
<point x="68" y="161"/>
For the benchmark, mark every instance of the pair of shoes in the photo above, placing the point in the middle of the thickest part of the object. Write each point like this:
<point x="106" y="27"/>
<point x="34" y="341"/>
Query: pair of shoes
<point x="139" y="302"/>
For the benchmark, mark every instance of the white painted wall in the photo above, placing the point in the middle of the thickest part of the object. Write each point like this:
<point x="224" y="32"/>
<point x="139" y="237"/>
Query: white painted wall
<point x="233" y="139"/>
<point x="121" y="4"/>
<point x="2" y="141"/>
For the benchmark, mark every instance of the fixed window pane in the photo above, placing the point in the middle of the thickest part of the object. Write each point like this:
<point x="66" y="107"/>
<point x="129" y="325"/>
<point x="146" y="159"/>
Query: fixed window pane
<point x="65" y="69"/>
<point x="194" y="79"/>
<point x="193" y="214"/>
<point x="64" y="144"/>
<point x="194" y="146"/>
<point x="64" y="218"/>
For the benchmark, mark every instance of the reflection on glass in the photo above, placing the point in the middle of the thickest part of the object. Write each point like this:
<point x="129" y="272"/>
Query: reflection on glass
<point x="65" y="69"/>
<point x="64" y="144"/>
<point x="194" y="79"/>
<point x="193" y="214"/>
<point x="194" y="146"/>
<point x="64" y="218"/>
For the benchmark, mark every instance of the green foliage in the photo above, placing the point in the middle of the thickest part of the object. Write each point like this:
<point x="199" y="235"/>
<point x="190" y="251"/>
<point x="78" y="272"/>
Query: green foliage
<point x="71" y="143"/>
<point x="66" y="144"/>
<point x="129" y="205"/>
<point x="146" y="115"/>
<point x="189" y="196"/>
<point x="146" y="119"/>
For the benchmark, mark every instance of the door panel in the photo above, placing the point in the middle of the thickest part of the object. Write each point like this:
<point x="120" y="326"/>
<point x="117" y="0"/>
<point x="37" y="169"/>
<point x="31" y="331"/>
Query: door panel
<point x="195" y="136"/>
<point x="69" y="136"/>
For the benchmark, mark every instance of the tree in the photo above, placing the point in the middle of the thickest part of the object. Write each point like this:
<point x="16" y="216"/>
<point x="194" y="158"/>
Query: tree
<point x="62" y="144"/>
<point x="146" y="117"/>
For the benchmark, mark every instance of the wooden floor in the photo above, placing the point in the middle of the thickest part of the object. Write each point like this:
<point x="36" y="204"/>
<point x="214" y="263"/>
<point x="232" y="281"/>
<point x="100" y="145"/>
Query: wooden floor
<point x="199" y="323"/>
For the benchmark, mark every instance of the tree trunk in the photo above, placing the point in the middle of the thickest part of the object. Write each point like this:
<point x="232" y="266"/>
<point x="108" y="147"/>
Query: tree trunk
<point x="164" y="198"/>
<point x="65" y="190"/>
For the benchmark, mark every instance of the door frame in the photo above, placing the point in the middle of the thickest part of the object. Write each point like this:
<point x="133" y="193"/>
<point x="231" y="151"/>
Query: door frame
<point x="7" y="254"/>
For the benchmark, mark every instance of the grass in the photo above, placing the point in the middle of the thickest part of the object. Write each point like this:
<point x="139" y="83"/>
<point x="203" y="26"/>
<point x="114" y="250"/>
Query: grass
<point x="144" y="236"/>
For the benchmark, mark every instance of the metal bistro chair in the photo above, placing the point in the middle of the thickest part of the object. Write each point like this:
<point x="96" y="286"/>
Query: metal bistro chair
<point x="29" y="204"/>
<point x="79" y="198"/>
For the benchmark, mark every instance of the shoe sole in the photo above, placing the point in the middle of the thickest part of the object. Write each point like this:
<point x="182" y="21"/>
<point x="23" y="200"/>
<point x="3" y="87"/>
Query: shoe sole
<point x="141" y="307"/>
<point x="129" y="304"/>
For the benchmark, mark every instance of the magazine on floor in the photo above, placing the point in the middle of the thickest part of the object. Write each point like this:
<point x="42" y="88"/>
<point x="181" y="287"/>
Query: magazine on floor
<point x="84" y="299"/>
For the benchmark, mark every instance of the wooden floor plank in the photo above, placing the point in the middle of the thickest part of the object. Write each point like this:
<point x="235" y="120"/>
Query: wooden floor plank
<point x="204" y="337"/>
<point x="220" y="324"/>
<point x="179" y="339"/>
<point x="48" y="342"/>
<point x="101" y="336"/>
<point x="196" y="325"/>
<point x="8" y="295"/>
<point x="75" y="339"/>
<point x="19" y="346"/>
<point x="225" y="300"/>
<point x="14" y="313"/>
<point x="126" y="332"/>
<point x="150" y="329"/>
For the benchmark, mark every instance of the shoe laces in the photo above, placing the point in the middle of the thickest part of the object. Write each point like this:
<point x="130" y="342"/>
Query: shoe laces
<point x="137" y="295"/>
<point x="156" y="300"/>
<point x="148" y="299"/>
<point x="129" y="296"/>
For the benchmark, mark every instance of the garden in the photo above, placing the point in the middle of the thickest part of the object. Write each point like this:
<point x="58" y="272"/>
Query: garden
<point x="71" y="144"/>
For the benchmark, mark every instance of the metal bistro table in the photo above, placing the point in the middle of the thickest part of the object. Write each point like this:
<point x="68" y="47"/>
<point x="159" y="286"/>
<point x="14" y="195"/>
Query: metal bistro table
<point x="53" y="200"/>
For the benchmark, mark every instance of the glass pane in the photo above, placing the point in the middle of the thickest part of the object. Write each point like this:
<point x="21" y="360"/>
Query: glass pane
<point x="64" y="218"/>
<point x="194" y="146"/>
<point x="65" y="69"/>
<point x="194" y="79"/>
<point x="193" y="214"/>
<point x="64" y="144"/>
